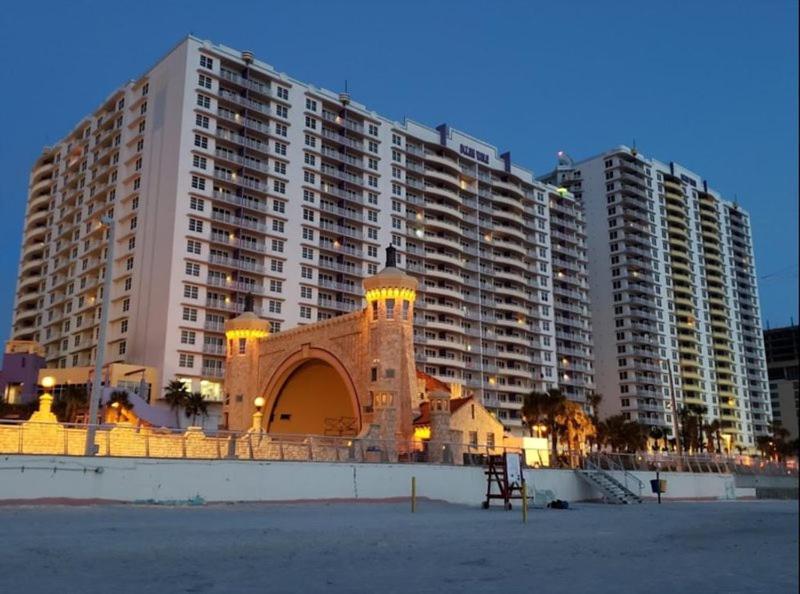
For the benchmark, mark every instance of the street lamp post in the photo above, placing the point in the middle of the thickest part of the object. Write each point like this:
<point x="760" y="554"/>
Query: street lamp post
<point x="97" y="385"/>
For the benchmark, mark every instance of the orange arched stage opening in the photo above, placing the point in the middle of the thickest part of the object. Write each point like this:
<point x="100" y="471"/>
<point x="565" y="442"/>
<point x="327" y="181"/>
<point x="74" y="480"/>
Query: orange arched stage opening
<point x="311" y="393"/>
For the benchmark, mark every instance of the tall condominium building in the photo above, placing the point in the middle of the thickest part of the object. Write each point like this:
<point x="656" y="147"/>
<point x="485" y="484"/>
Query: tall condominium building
<point x="227" y="178"/>
<point x="783" y="365"/>
<point x="675" y="307"/>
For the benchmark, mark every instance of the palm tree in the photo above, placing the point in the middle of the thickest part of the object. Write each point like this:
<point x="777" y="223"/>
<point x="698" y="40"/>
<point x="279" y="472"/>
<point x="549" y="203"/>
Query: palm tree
<point x="534" y="410"/>
<point x="195" y="405"/>
<point x="764" y="444"/>
<point x="576" y="426"/>
<point x="119" y="400"/>
<point x="544" y="408"/>
<point x="593" y="400"/>
<point x="613" y="432"/>
<point x="712" y="432"/>
<point x="176" y="394"/>
<point x="698" y="411"/>
<point x="76" y="397"/>
<point x="656" y="433"/>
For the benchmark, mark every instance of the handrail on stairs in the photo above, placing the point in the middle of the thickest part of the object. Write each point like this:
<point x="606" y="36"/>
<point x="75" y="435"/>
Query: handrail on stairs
<point x="612" y="465"/>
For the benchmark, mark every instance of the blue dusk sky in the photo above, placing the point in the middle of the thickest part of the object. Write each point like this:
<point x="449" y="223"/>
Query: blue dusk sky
<point x="710" y="84"/>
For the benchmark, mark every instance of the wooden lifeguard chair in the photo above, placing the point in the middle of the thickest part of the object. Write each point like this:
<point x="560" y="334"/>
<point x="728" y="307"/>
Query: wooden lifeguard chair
<point x="505" y="473"/>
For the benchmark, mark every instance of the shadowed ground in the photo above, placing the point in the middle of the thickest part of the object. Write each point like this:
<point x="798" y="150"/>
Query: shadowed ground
<point x="381" y="547"/>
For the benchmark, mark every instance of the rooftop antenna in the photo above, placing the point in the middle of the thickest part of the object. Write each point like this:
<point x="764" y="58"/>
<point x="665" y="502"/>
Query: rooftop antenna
<point x="344" y="97"/>
<point x="634" y="150"/>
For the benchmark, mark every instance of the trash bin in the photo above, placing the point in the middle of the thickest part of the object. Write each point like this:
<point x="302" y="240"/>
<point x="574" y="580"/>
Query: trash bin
<point x="658" y="486"/>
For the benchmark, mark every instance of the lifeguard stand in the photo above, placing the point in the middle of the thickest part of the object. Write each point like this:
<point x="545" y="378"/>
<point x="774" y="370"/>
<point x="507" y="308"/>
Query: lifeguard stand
<point x="505" y="473"/>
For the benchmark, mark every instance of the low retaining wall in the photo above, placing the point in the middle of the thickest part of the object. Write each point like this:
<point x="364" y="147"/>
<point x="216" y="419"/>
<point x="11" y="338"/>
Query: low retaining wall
<point x="28" y="478"/>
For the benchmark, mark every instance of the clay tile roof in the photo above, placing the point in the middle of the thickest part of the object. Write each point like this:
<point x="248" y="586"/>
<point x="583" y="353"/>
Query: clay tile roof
<point x="431" y="383"/>
<point x="424" y="417"/>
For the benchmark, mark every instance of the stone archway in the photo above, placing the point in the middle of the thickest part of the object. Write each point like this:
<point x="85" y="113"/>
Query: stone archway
<point x="312" y="393"/>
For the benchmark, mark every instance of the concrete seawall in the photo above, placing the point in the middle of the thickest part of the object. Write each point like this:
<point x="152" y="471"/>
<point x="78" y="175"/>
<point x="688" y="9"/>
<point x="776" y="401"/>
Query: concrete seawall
<point x="30" y="478"/>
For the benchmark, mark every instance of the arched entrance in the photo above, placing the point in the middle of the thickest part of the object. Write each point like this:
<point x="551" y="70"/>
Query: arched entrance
<point x="312" y="395"/>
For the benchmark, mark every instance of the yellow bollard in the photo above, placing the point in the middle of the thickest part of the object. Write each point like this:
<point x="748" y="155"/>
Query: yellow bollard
<point x="524" y="503"/>
<point x="413" y="494"/>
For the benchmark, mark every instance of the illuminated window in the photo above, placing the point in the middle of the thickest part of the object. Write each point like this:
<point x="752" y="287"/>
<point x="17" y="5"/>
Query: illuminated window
<point x="242" y="345"/>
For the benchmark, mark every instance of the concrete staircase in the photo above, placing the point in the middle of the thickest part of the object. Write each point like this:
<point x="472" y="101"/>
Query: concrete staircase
<point x="613" y="491"/>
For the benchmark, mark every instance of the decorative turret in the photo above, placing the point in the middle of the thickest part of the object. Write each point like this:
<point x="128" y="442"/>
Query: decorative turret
<point x="393" y="285"/>
<point x="440" y="425"/>
<point x="390" y="298"/>
<point x="241" y="364"/>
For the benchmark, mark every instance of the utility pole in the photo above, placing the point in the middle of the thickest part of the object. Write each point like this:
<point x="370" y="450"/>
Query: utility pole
<point x="100" y="355"/>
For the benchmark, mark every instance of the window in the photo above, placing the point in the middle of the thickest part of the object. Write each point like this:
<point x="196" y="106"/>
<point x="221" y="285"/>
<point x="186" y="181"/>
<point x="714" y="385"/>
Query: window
<point x="204" y="81"/>
<point x="307" y="272"/>
<point x="308" y="196"/>
<point x="127" y="284"/>
<point x="281" y="130"/>
<point x="280" y="167"/>
<point x="305" y="312"/>
<point x="185" y="360"/>
<point x="123" y="326"/>
<point x="276" y="265"/>
<point x="201" y="141"/>
<point x="309" y="177"/>
<point x="390" y="309"/>
<point x="306" y="293"/>
<point x="311" y="123"/>
<point x="308" y="234"/>
<point x="311" y="105"/>
<point x="188" y="337"/>
<point x="198" y="183"/>
<point x="195" y="225"/>
<point x="277" y="226"/>
<point x="372" y="129"/>
<point x="122" y="349"/>
<point x="126" y="304"/>
<point x="274" y="306"/>
<point x="275" y="286"/>
<point x="206" y="62"/>
<point x="189" y="314"/>
<point x="203" y="101"/>
<point x="189" y="292"/>
<point x="196" y="204"/>
<point x="308" y="215"/>
<point x="192" y="269"/>
<point x="310" y="140"/>
<point x="199" y="162"/>
<point x="280" y="148"/>
<point x="372" y="146"/>
<point x="282" y="92"/>
<point x="307" y="254"/>
<point x="193" y="247"/>
<point x="134" y="222"/>
<point x="278" y="186"/>
<point x="201" y="121"/>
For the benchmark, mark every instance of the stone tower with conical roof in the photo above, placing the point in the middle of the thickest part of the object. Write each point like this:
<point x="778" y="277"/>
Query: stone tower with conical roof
<point x="241" y="365"/>
<point x="390" y="296"/>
